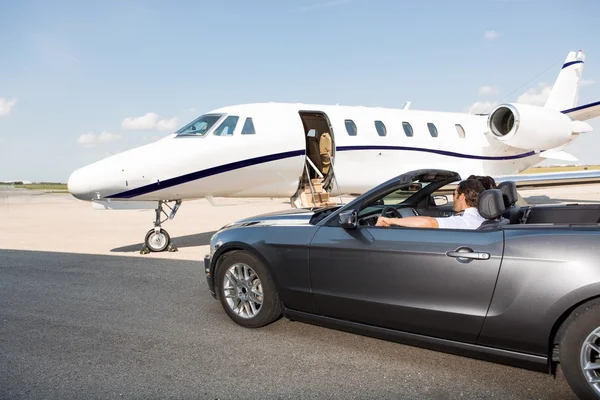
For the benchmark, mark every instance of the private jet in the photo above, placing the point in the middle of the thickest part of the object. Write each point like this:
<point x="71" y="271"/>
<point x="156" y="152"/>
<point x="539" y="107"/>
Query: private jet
<point x="308" y="152"/>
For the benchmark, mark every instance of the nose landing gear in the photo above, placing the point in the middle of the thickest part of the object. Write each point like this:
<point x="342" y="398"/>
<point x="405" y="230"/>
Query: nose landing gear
<point x="158" y="239"/>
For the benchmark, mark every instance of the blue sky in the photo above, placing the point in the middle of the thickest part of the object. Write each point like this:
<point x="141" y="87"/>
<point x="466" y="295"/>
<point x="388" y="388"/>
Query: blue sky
<point x="76" y="76"/>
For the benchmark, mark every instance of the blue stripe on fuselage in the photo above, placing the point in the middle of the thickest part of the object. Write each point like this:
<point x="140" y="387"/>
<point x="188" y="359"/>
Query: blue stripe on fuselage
<point x="205" y="173"/>
<point x="279" y="156"/>
<point x="434" y="151"/>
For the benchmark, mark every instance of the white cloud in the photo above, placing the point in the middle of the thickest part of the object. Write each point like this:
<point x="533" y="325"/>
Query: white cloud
<point x="488" y="90"/>
<point x="491" y="35"/>
<point x="6" y="106"/>
<point x="536" y="96"/>
<point x="167" y="124"/>
<point x="145" y="122"/>
<point x="106" y="137"/>
<point x="148" y="122"/>
<point x="587" y="82"/>
<point x="481" y="107"/>
<point x="90" y="139"/>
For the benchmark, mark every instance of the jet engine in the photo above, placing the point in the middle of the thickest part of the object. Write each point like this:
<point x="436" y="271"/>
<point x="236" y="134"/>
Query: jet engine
<point x="530" y="127"/>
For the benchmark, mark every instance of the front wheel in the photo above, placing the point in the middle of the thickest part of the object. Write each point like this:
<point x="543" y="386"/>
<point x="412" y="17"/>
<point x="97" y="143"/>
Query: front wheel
<point x="157" y="242"/>
<point x="246" y="290"/>
<point x="580" y="351"/>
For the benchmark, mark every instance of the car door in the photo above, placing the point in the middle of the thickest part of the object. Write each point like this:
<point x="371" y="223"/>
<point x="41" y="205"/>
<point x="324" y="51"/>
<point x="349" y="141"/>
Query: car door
<point x="406" y="279"/>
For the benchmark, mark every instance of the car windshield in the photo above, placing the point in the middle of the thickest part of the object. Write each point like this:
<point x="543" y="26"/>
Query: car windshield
<point x="399" y="196"/>
<point x="321" y="214"/>
<point x="394" y="198"/>
<point x="200" y="126"/>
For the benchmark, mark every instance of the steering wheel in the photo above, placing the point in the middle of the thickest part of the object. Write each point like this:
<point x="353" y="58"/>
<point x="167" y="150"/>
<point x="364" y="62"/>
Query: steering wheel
<point x="392" y="211"/>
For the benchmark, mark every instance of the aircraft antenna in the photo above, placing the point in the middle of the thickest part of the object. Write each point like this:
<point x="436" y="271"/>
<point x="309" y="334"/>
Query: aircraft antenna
<point x="523" y="85"/>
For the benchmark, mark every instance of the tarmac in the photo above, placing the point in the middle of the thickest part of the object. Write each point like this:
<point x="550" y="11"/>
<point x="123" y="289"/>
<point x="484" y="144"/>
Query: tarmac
<point x="84" y="314"/>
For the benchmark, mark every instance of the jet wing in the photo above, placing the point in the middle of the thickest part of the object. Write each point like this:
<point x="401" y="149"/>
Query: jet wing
<point x="552" y="178"/>
<point x="585" y="112"/>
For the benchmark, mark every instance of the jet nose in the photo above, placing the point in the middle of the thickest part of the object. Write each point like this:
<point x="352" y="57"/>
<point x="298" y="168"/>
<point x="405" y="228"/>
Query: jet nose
<point x="79" y="185"/>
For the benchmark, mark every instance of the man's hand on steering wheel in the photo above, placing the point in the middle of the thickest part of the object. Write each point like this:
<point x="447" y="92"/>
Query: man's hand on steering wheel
<point x="384" y="220"/>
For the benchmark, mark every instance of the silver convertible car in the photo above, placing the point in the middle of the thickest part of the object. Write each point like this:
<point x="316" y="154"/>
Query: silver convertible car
<point x="523" y="289"/>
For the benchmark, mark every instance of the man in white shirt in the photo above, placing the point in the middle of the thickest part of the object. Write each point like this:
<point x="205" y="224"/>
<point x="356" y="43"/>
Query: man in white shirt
<point x="465" y="199"/>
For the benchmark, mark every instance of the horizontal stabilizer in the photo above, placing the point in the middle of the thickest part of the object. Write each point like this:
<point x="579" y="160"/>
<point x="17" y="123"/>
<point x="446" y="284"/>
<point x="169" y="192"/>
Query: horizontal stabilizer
<point x="585" y="112"/>
<point x="558" y="155"/>
<point x="581" y="127"/>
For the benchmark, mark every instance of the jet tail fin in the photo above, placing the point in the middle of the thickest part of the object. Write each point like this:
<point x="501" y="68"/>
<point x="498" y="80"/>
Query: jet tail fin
<point x="565" y="91"/>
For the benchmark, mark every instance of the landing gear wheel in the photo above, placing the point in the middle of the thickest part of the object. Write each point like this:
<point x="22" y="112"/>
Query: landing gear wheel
<point x="246" y="290"/>
<point x="580" y="351"/>
<point x="157" y="242"/>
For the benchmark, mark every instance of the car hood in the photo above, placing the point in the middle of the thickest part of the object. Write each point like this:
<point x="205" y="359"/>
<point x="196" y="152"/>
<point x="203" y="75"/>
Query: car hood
<point x="297" y="216"/>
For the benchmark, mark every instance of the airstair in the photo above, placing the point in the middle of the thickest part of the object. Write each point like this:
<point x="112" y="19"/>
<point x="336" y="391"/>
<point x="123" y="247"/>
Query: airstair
<point x="313" y="192"/>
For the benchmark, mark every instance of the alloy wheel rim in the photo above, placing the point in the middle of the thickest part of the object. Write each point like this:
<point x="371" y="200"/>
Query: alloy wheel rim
<point x="590" y="360"/>
<point x="243" y="290"/>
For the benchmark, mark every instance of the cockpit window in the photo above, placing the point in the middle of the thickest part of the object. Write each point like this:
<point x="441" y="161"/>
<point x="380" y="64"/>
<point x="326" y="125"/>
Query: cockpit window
<point x="227" y="127"/>
<point x="248" y="128"/>
<point x="200" y="125"/>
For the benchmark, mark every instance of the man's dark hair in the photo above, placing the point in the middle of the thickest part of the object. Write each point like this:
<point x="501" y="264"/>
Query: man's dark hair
<point x="491" y="183"/>
<point x="487" y="181"/>
<point x="471" y="189"/>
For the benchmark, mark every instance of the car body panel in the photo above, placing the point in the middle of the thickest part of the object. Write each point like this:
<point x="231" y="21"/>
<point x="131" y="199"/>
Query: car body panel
<point x="401" y="278"/>
<point x="522" y="360"/>
<point x="545" y="272"/>
<point x="282" y="244"/>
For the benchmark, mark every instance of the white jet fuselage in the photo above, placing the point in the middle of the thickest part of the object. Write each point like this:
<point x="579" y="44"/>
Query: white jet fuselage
<point x="270" y="161"/>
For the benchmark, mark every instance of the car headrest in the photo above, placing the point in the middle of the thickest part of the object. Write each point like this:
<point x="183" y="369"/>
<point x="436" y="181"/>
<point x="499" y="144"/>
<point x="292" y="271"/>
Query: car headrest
<point x="490" y="204"/>
<point x="509" y="192"/>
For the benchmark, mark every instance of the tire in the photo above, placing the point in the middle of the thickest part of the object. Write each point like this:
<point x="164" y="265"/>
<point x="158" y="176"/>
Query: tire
<point x="157" y="245"/>
<point x="581" y="327"/>
<point x="233" y="296"/>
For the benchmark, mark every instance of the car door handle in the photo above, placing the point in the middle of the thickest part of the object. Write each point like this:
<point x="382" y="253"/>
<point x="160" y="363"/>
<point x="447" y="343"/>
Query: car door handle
<point x="469" y="254"/>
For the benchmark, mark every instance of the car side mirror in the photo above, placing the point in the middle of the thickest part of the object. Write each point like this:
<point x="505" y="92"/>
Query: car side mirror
<point x="348" y="219"/>
<point x="440" y="200"/>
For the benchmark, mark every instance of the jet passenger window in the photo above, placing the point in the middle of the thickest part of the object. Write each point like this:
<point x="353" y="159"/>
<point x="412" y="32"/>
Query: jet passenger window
<point x="248" y="128"/>
<point x="227" y="127"/>
<point x="407" y="129"/>
<point x="432" y="129"/>
<point x="460" y="130"/>
<point x="350" y="127"/>
<point x="200" y="125"/>
<point x="380" y="128"/>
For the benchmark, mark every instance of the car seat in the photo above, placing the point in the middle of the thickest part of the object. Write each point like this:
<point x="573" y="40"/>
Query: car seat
<point x="510" y="197"/>
<point x="490" y="205"/>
